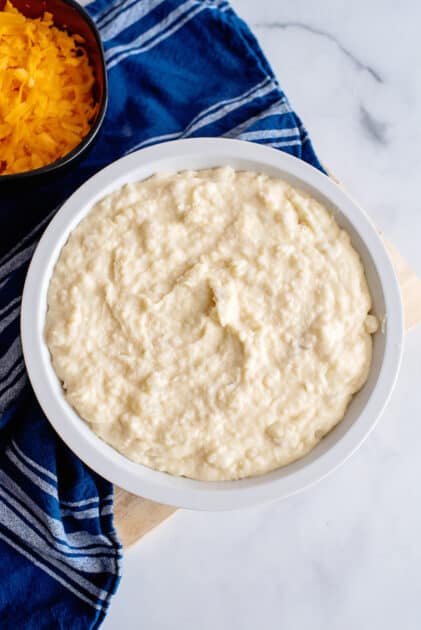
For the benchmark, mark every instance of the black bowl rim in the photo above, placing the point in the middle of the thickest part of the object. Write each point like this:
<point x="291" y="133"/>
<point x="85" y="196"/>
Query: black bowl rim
<point x="89" y="138"/>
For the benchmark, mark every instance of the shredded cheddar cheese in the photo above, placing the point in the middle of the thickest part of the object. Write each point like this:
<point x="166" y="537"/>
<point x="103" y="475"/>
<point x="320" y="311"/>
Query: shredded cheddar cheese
<point x="46" y="91"/>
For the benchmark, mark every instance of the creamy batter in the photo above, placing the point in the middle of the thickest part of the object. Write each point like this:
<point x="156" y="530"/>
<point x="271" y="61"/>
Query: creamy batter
<point x="213" y="324"/>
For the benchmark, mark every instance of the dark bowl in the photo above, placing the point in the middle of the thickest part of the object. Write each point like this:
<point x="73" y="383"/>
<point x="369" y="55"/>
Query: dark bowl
<point x="70" y="16"/>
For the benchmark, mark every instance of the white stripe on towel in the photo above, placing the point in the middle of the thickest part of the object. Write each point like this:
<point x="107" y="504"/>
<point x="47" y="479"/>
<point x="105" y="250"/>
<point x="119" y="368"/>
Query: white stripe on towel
<point x="13" y="392"/>
<point x="10" y="520"/>
<point x="207" y="116"/>
<point x="30" y="461"/>
<point x="276" y="109"/>
<point x="8" y="306"/>
<point x="109" y="497"/>
<point x="49" y="571"/>
<point x="82" y="514"/>
<point x="128" y="51"/>
<point x="112" y="9"/>
<point x="78" y="541"/>
<point x="152" y="32"/>
<point x="16" y="370"/>
<point x="9" y="359"/>
<point x="11" y="317"/>
<point x="108" y="509"/>
<point x="269" y="134"/>
<point x="113" y="26"/>
<point x="16" y="261"/>
<point x="28" y="530"/>
<point x="291" y="143"/>
<point x="38" y="481"/>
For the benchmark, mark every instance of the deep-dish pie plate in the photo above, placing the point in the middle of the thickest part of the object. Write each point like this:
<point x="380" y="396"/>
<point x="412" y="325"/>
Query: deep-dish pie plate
<point x="365" y="408"/>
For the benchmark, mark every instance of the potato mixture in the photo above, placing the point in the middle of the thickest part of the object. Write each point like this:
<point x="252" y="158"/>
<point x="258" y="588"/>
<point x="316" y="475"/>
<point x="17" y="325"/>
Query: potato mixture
<point x="212" y="324"/>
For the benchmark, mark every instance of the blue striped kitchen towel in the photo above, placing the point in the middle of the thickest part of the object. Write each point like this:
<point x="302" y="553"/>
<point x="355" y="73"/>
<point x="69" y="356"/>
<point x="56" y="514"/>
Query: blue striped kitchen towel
<point x="177" y="69"/>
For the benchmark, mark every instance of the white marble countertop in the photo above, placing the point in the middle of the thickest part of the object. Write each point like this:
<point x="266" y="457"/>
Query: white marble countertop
<point x="347" y="553"/>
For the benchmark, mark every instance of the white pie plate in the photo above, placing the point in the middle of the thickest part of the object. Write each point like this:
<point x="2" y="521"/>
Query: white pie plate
<point x="335" y="448"/>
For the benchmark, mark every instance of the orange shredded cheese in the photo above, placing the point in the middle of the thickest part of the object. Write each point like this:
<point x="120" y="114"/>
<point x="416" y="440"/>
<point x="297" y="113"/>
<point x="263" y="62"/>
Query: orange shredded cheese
<point x="46" y="91"/>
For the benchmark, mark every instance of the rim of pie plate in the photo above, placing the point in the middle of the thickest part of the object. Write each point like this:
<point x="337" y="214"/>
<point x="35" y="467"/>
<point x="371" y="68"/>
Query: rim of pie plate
<point x="365" y="407"/>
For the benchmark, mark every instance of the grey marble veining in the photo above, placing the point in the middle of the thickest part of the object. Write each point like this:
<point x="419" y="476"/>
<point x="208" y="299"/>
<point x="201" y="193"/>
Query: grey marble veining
<point x="326" y="35"/>
<point x="375" y="129"/>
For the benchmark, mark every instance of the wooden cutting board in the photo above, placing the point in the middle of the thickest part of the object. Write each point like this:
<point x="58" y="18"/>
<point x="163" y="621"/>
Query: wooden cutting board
<point x="135" y="517"/>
